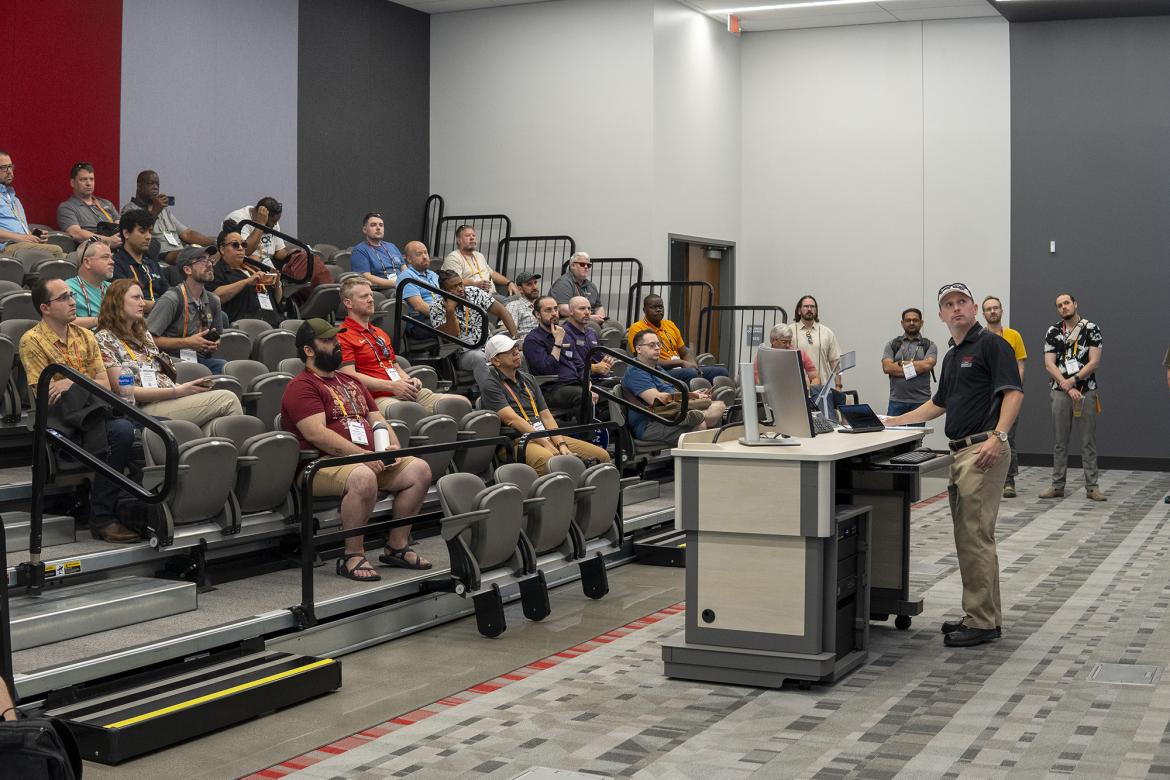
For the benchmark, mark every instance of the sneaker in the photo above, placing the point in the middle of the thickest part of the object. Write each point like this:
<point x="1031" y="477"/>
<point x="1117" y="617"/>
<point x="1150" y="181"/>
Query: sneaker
<point x="1009" y="490"/>
<point x="1095" y="495"/>
<point x="969" y="637"/>
<point x="1053" y="492"/>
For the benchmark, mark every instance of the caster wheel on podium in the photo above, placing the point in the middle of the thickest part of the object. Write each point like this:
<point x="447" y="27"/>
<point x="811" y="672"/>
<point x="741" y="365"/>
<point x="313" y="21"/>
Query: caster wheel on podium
<point x="902" y="622"/>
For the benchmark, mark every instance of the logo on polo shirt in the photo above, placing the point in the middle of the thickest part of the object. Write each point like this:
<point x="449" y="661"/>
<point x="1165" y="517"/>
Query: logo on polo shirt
<point x="966" y="361"/>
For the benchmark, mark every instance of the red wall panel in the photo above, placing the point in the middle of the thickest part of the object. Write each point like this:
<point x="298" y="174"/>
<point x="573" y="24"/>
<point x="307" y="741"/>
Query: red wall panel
<point x="62" y="66"/>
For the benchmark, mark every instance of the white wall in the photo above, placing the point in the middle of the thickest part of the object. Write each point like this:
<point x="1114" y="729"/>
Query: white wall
<point x="875" y="168"/>
<point x="696" y="131"/>
<point x="212" y="105"/>
<point x="544" y="112"/>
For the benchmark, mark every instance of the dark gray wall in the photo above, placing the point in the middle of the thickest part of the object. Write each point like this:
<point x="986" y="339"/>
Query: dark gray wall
<point x="1091" y="171"/>
<point x="364" y="105"/>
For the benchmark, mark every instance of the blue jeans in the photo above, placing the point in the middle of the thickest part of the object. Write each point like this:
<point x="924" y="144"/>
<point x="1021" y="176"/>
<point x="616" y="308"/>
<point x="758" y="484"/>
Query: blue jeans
<point x="687" y="374"/>
<point x="901" y="407"/>
<point x="215" y="364"/>
<point x="103" y="497"/>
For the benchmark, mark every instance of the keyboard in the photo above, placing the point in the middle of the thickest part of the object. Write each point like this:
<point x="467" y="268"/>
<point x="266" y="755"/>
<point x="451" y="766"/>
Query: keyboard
<point x="821" y="425"/>
<point x="914" y="458"/>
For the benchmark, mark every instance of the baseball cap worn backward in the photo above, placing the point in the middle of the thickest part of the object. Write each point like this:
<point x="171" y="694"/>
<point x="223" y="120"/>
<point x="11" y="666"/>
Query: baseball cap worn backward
<point x="497" y="344"/>
<point x="315" y="328"/>
<point x="951" y="287"/>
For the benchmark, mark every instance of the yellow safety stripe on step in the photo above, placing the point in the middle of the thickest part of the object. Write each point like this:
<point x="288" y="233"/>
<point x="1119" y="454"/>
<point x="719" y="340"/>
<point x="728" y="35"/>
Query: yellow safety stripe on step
<point x="220" y="694"/>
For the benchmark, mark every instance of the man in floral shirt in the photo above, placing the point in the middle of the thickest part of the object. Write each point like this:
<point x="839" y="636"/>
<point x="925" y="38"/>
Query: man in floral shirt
<point x="464" y="322"/>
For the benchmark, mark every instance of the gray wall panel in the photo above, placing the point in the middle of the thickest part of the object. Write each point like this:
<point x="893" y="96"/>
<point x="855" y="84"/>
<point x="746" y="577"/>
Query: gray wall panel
<point x="209" y="100"/>
<point x="1091" y="171"/>
<point x="364" y="132"/>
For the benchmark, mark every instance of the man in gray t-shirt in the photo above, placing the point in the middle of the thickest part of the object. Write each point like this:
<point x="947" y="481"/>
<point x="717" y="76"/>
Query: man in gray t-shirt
<point x="909" y="360"/>
<point x="187" y="313"/>
<point x="79" y="216"/>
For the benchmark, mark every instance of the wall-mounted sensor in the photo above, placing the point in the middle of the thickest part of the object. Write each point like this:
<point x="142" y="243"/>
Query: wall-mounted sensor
<point x="1051" y="247"/>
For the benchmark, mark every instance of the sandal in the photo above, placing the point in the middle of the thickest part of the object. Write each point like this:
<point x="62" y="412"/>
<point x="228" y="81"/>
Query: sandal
<point x="397" y="558"/>
<point x="362" y="565"/>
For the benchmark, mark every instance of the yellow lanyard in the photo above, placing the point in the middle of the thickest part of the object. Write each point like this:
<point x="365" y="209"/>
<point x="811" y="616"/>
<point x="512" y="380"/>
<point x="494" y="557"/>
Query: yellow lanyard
<point x="98" y="205"/>
<point x="516" y="398"/>
<point x="126" y="344"/>
<point x="149" y="281"/>
<point x="70" y="356"/>
<point x="345" y="415"/>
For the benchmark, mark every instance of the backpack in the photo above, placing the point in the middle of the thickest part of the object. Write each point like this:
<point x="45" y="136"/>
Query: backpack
<point x="896" y="344"/>
<point x="38" y="749"/>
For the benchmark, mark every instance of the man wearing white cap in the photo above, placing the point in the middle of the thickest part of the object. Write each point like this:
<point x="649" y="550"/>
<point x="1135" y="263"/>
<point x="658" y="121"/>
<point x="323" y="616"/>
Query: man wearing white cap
<point x="979" y="390"/>
<point x="516" y="398"/>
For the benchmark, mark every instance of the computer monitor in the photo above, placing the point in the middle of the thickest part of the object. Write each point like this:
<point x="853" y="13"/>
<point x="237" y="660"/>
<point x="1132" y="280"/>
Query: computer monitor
<point x="786" y="391"/>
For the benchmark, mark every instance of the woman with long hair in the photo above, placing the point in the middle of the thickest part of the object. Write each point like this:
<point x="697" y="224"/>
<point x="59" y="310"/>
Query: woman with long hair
<point x="125" y="342"/>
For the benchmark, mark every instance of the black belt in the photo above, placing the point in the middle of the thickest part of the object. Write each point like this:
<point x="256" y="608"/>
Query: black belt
<point x="961" y="444"/>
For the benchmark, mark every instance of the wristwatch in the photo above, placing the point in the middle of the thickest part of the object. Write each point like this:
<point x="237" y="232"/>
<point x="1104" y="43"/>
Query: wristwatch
<point x="1000" y="435"/>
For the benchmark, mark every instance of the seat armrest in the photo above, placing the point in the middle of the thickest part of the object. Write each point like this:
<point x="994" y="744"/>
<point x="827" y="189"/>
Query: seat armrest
<point x="535" y="501"/>
<point x="306" y="456"/>
<point x="626" y="482"/>
<point x="418" y="441"/>
<point x="251" y="396"/>
<point x="452" y="526"/>
<point x="246" y="461"/>
<point x="584" y="491"/>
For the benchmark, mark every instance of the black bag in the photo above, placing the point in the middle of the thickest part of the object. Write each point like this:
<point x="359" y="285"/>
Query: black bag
<point x="38" y="748"/>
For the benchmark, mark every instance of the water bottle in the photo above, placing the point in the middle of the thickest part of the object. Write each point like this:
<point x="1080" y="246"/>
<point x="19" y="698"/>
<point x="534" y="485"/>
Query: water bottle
<point x="126" y="385"/>
<point x="381" y="437"/>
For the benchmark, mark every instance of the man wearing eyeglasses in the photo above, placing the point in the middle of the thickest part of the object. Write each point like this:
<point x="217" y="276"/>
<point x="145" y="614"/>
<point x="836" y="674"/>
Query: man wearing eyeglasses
<point x="576" y="282"/>
<point x="15" y="233"/>
<point x="652" y="390"/>
<point x="377" y="260"/>
<point x="81" y="214"/>
<point x="184" y="315"/>
<point x="93" y="279"/>
<point x="58" y="339"/>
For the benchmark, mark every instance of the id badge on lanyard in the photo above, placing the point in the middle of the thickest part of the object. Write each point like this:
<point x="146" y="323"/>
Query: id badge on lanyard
<point x="148" y="376"/>
<point x="357" y="431"/>
<point x="265" y="301"/>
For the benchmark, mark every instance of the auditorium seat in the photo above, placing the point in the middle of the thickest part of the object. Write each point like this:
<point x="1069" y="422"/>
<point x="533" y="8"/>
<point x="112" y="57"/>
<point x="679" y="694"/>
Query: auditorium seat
<point x="325" y="251"/>
<point x="12" y="270"/>
<point x="477" y="424"/>
<point x="426" y="428"/>
<point x="266" y="463"/>
<point x="234" y="345"/>
<point x="253" y="327"/>
<point x="54" y="268"/>
<point x="63" y="240"/>
<point x="262" y="388"/>
<point x="341" y="259"/>
<point x="18" y="305"/>
<point x="322" y="302"/>
<point x="292" y="365"/>
<point x="548" y="507"/>
<point x="274" y="346"/>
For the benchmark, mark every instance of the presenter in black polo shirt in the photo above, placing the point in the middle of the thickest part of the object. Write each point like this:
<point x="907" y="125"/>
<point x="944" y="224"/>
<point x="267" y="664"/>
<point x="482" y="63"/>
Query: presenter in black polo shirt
<point x="979" y="390"/>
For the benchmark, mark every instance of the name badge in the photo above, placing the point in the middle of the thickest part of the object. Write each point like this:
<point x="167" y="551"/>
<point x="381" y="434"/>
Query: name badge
<point x="1071" y="366"/>
<point x="188" y="355"/>
<point x="908" y="370"/>
<point x="537" y="425"/>
<point x="392" y="278"/>
<point x="393" y="374"/>
<point x="357" y="432"/>
<point x="148" y="376"/>
<point x="568" y="353"/>
<point x="172" y="238"/>
<point x="265" y="301"/>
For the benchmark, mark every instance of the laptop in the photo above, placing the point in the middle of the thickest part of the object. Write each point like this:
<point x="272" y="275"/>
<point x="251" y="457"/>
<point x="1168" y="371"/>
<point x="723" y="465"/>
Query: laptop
<point x="859" y="418"/>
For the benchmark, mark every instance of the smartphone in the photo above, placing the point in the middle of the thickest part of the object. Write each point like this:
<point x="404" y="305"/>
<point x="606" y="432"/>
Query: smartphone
<point x="206" y="381"/>
<point x="38" y="232"/>
<point x="170" y="200"/>
<point x="212" y="335"/>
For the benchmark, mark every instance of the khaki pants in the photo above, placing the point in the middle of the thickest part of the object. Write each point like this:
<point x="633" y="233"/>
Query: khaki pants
<point x="200" y="408"/>
<point x="331" y="481"/>
<point x="426" y="399"/>
<point x="1063" y="421"/>
<point x="974" y="498"/>
<point x="538" y="457"/>
<point x="13" y="246"/>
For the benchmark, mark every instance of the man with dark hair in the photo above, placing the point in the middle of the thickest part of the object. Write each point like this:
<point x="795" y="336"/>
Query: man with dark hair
<point x="465" y="323"/>
<point x="544" y="349"/>
<point x="651" y="390"/>
<point x="1072" y="354"/>
<point x="377" y="260"/>
<point x="132" y="260"/>
<point x="80" y="215"/>
<point x="57" y="339"/>
<point x="909" y="362"/>
<point x="523" y="306"/>
<point x="15" y="232"/>
<point x="184" y="317"/>
<point x="472" y="265"/>
<point x="94" y="272"/>
<point x="979" y="391"/>
<point x="268" y="248"/>
<point x="333" y="413"/>
<point x="169" y="236"/>
<point x="675" y="357"/>
<point x="993" y="314"/>
<point x="820" y="343"/>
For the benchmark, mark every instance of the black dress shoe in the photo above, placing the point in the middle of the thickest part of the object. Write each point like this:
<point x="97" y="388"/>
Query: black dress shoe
<point x="951" y="626"/>
<point x="969" y="637"/>
<point x="114" y="532"/>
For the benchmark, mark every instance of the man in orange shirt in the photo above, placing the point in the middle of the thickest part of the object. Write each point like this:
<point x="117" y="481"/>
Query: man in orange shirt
<point x="675" y="358"/>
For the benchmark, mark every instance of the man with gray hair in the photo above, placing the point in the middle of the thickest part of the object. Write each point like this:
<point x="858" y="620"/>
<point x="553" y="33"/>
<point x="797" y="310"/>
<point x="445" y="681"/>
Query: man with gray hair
<point x="781" y="337"/>
<point x="575" y="282"/>
<point x="94" y="272"/>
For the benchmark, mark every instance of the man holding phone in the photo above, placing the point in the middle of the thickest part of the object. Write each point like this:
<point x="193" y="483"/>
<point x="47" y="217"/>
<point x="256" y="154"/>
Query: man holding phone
<point x="14" y="230"/>
<point x="169" y="236"/>
<point x="185" y="322"/>
<point x="245" y="291"/>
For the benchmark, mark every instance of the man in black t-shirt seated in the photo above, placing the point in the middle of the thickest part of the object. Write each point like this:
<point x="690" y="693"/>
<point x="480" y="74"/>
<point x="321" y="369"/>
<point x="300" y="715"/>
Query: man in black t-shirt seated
<point x="517" y="399"/>
<point x="245" y="291"/>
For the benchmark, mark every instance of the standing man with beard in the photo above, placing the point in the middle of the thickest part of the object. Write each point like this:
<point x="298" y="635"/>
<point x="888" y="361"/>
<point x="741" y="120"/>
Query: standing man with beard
<point x="909" y="360"/>
<point x="821" y="345"/>
<point x="1072" y="353"/>
<point x="979" y="390"/>
<point x="993" y="314"/>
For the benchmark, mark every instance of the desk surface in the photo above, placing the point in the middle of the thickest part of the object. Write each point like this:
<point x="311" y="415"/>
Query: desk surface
<point x="827" y="447"/>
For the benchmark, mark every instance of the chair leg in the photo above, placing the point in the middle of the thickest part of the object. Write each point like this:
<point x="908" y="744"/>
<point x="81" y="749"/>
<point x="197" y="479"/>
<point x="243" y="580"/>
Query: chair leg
<point x="489" y="612"/>
<point x="534" y="597"/>
<point x="594" y="577"/>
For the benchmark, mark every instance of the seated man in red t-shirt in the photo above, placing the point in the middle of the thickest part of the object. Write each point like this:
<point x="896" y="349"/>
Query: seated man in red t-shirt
<point x="368" y="356"/>
<point x="780" y="337"/>
<point x="332" y="413"/>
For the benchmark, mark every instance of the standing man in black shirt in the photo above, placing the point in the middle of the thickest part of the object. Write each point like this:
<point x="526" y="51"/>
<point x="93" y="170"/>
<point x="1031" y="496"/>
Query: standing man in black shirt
<point x="979" y="390"/>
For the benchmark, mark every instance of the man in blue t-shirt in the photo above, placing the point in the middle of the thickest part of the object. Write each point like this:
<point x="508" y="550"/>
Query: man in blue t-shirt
<point x="378" y="261"/>
<point x="651" y="389"/>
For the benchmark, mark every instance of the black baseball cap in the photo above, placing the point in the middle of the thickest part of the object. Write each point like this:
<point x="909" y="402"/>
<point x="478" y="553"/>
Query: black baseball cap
<point x="315" y="328"/>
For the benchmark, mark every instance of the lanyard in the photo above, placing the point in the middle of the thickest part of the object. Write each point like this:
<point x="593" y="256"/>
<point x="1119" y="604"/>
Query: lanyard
<point x="475" y="263"/>
<point x="378" y="255"/>
<point x="98" y="205"/>
<point x="17" y="209"/>
<point x="345" y="415"/>
<point x="85" y="295"/>
<point x="366" y="338"/>
<point x="516" y="398"/>
<point x="186" y="310"/>
<point x="129" y="351"/>
<point x="248" y="274"/>
<point x="149" y="280"/>
<point x="73" y="359"/>
<point x="1076" y="334"/>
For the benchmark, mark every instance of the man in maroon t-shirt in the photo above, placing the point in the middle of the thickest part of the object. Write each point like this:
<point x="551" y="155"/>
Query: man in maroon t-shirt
<point x="332" y="413"/>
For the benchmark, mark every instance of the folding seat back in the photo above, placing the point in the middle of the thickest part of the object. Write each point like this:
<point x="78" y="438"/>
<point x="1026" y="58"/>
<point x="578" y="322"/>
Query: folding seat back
<point x="234" y="345"/>
<point x="11" y="270"/>
<point x="292" y="326"/>
<point x="55" y="268"/>
<point x="18" y="305"/>
<point x="7" y="286"/>
<point x="548" y="507"/>
<point x="63" y="240"/>
<point x="322" y="302"/>
<point x="31" y="256"/>
<point x="326" y="251"/>
<point x="266" y="462"/>
<point x="427" y="429"/>
<point x="455" y="406"/>
<point x="186" y="371"/>
<point x="723" y="381"/>
<point x="245" y="371"/>
<point x="254" y="328"/>
<point x="207" y="474"/>
<point x="483" y="523"/>
<point x="274" y="346"/>
<point x="598" y="494"/>
<point x="477" y="424"/>
<point x="700" y="383"/>
<point x="342" y="259"/>
<point x="268" y="391"/>
<point x="292" y="366"/>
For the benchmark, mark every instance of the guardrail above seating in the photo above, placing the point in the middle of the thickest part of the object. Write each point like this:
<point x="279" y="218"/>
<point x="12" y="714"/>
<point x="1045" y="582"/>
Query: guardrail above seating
<point x="613" y="277"/>
<point x="45" y="437"/>
<point x="400" y="309"/>
<point x="733" y="333"/>
<point x="585" y="412"/>
<point x="290" y="239"/>
<point x="680" y="300"/>
<point x="490" y="229"/>
<point x="432" y="215"/>
<point x="544" y="255"/>
<point x="5" y="624"/>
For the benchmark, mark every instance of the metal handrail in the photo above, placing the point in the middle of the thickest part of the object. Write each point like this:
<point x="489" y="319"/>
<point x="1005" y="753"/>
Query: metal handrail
<point x="707" y="315"/>
<point x="305" y="611"/>
<point x="568" y="430"/>
<point x="624" y="357"/>
<point x="5" y="619"/>
<point x="399" y="309"/>
<point x="43" y="437"/>
<point x="284" y="236"/>
<point x="431" y="238"/>
<point x="505" y="254"/>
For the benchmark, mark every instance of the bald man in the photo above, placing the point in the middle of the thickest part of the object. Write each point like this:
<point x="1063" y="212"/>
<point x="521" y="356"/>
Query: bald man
<point x="418" y="266"/>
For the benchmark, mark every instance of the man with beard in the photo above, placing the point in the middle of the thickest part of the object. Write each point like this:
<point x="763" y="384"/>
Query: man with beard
<point x="1072" y="353"/>
<point x="181" y="319"/>
<point x="821" y="345"/>
<point x="334" y="414"/>
<point x="909" y="361"/>
<point x="472" y="265"/>
<point x="523" y="308"/>
<point x="993" y="314"/>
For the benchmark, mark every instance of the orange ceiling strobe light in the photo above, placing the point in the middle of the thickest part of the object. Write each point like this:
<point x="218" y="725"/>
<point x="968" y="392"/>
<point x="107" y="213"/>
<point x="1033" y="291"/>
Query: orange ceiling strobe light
<point x="733" y="24"/>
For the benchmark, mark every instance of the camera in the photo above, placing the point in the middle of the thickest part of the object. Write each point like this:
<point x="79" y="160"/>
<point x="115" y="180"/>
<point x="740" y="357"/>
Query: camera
<point x="170" y="200"/>
<point x="212" y="334"/>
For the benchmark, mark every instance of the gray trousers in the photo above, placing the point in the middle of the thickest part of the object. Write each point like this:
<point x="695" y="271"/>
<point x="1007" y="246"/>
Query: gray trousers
<point x="1063" y="423"/>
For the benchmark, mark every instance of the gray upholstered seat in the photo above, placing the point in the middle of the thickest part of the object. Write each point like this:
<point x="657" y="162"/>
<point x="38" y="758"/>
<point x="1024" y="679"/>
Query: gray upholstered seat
<point x="18" y="305"/>
<point x="273" y="346"/>
<point x="187" y="371"/>
<point x="598" y="496"/>
<point x="548" y="507"/>
<point x="254" y="328"/>
<point x="723" y="381"/>
<point x="292" y="365"/>
<point x="326" y="251"/>
<point x="207" y="474"/>
<point x="426" y="428"/>
<point x="342" y="259"/>
<point x="292" y="326"/>
<point x="262" y="389"/>
<point x="477" y="424"/>
<point x="700" y="383"/>
<point x="322" y="302"/>
<point x="234" y="345"/>
<point x="267" y="463"/>
<point x="55" y="268"/>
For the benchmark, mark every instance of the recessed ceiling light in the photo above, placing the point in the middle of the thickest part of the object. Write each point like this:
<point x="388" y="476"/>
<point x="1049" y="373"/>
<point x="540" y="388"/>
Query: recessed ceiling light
<point x="782" y="6"/>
